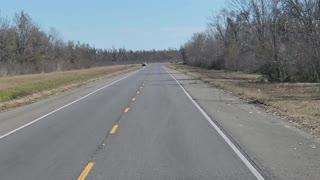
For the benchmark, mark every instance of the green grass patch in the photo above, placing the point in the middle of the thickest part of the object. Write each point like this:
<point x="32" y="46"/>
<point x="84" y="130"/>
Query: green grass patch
<point x="21" y="86"/>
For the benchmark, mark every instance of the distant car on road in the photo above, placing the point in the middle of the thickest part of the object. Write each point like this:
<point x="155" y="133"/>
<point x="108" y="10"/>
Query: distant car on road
<point x="144" y="64"/>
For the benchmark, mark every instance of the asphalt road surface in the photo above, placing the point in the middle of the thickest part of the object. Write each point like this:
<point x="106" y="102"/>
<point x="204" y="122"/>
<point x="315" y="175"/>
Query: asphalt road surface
<point x="143" y="126"/>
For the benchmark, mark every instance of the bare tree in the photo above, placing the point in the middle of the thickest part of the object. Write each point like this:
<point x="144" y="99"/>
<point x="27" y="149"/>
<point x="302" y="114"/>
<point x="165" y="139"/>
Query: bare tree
<point x="26" y="48"/>
<point x="279" y="38"/>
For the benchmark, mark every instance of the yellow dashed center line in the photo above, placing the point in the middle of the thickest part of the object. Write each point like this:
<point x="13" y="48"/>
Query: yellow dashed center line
<point x="114" y="129"/>
<point x="86" y="171"/>
<point x="90" y="165"/>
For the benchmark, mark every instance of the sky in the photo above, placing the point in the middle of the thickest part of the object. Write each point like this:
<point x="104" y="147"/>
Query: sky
<point x="130" y="24"/>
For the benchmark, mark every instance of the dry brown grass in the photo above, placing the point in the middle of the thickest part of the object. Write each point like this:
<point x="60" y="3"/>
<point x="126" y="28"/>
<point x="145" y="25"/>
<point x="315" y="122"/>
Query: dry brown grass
<point x="19" y="90"/>
<point x="299" y="103"/>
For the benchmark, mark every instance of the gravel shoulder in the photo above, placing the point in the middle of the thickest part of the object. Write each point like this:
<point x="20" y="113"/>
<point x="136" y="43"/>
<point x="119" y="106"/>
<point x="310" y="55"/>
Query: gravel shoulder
<point x="279" y="149"/>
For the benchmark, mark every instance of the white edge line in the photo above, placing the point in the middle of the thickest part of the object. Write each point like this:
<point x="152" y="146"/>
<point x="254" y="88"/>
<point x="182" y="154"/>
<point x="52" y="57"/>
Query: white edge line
<point x="54" y="111"/>
<point x="229" y="142"/>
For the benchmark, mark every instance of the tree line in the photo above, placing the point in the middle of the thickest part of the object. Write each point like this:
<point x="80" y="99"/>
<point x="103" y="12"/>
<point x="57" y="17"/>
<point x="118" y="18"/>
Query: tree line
<point x="278" y="38"/>
<point x="25" y="48"/>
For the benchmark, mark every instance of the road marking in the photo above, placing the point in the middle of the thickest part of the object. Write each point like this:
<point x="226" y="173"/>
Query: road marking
<point x="143" y="84"/>
<point x="141" y="87"/>
<point x="54" y="111"/>
<point x="138" y="92"/>
<point x="86" y="171"/>
<point x="222" y="134"/>
<point x="114" y="129"/>
<point x="126" y="110"/>
<point x="133" y="99"/>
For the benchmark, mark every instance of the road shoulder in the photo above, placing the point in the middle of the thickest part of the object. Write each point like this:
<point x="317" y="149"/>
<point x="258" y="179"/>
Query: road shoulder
<point x="280" y="150"/>
<point x="20" y="116"/>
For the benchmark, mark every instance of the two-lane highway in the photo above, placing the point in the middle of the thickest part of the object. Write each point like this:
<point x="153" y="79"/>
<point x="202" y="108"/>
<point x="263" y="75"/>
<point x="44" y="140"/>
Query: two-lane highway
<point x="142" y="127"/>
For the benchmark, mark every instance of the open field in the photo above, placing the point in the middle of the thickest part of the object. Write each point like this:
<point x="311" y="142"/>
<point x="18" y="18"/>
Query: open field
<point x="24" y="89"/>
<point x="299" y="103"/>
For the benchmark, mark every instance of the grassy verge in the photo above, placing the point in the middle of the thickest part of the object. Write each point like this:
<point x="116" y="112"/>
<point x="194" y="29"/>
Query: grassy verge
<point x="299" y="103"/>
<point x="20" y="90"/>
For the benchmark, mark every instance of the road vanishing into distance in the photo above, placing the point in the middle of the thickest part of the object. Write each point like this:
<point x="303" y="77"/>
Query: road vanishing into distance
<point x="140" y="126"/>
